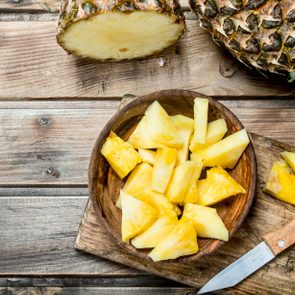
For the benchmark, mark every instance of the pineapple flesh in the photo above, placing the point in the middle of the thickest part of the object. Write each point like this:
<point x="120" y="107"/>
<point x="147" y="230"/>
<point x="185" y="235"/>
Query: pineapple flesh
<point x="118" y="30"/>
<point x="120" y="154"/>
<point x="147" y="156"/>
<point x="180" y="241"/>
<point x="207" y="222"/>
<point x="218" y="186"/>
<point x="281" y="183"/>
<point x="289" y="157"/>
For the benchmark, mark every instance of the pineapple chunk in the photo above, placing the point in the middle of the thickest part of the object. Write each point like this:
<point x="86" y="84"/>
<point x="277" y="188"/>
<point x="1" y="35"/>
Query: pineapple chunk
<point x="165" y="160"/>
<point x="147" y="156"/>
<point x="215" y="132"/>
<point x="161" y="127"/>
<point x="201" y="106"/>
<point x="141" y="138"/>
<point x="227" y="152"/>
<point x="180" y="241"/>
<point x="185" y="127"/>
<point x="207" y="222"/>
<point x="176" y="209"/>
<point x="290" y="159"/>
<point x="218" y="186"/>
<point x="281" y="183"/>
<point x="120" y="154"/>
<point x="137" y="216"/>
<point x="191" y="195"/>
<point x="180" y="182"/>
<point x="155" y="233"/>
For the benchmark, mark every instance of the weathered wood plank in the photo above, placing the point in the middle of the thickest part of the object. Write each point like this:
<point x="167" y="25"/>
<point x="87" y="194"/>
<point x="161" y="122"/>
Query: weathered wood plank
<point x="44" y="146"/>
<point x="34" y="66"/>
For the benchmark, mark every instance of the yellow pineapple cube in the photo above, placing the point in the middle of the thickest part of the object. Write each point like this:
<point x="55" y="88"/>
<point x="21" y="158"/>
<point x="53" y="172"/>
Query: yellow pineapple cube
<point x="227" y="152"/>
<point x="155" y="233"/>
<point x="165" y="160"/>
<point x="180" y="241"/>
<point x="180" y="182"/>
<point x="207" y="222"/>
<point x="137" y="216"/>
<point x="147" y="156"/>
<point x="201" y="107"/>
<point x="289" y="157"/>
<point x="191" y="195"/>
<point x="161" y="127"/>
<point x="215" y="132"/>
<point x="185" y="127"/>
<point x="281" y="183"/>
<point x="218" y="186"/>
<point x="120" y="154"/>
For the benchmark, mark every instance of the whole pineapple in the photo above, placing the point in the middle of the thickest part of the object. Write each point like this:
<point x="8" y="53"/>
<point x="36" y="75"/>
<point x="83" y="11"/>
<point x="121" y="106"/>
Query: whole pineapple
<point x="260" y="33"/>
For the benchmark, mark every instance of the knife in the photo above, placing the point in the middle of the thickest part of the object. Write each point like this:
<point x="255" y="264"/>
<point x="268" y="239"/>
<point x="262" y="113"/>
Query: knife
<point x="273" y="244"/>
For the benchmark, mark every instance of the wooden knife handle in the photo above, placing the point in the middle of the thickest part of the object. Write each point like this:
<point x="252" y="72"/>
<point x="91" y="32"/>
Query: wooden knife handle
<point x="282" y="238"/>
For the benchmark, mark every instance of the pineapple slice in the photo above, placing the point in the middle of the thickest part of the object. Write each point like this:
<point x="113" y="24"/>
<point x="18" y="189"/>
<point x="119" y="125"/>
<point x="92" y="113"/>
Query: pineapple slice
<point x="289" y="157"/>
<point x="120" y="154"/>
<point x="227" y="152"/>
<point x="218" y="186"/>
<point x="215" y="132"/>
<point x="161" y="127"/>
<point x="191" y="195"/>
<point x="180" y="241"/>
<point x="180" y="182"/>
<point x="207" y="222"/>
<point x="165" y="160"/>
<point x="201" y="106"/>
<point x="147" y="156"/>
<point x="281" y="183"/>
<point x="185" y="127"/>
<point x="155" y="233"/>
<point x="137" y="216"/>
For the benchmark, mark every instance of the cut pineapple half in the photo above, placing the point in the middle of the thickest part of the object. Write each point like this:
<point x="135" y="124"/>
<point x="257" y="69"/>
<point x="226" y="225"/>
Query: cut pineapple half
<point x="120" y="154"/>
<point x="147" y="156"/>
<point x="289" y="157"/>
<point x="218" y="186"/>
<point x="112" y="30"/>
<point x="137" y="216"/>
<point x="281" y="182"/>
<point x="207" y="222"/>
<point x="180" y="241"/>
<point x="155" y="233"/>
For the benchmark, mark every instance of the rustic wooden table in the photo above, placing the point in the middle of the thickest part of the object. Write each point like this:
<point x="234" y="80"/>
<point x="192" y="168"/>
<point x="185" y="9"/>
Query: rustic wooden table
<point x="53" y="106"/>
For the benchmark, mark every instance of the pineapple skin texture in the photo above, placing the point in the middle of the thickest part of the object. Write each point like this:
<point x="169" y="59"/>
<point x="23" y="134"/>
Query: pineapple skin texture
<point x="259" y="33"/>
<point x="281" y="183"/>
<point x="120" y="154"/>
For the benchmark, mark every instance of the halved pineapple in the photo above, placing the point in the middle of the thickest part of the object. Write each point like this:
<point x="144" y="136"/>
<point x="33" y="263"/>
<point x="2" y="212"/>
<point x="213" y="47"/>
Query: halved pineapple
<point x="120" y="154"/>
<point x="163" y="168"/>
<point x="228" y="151"/>
<point x="147" y="156"/>
<point x="281" y="183"/>
<point x="215" y="132"/>
<point x="185" y="127"/>
<point x="201" y="107"/>
<point x="289" y="157"/>
<point x="137" y="216"/>
<point x="180" y="241"/>
<point x="180" y="182"/>
<point x="218" y="186"/>
<point x="155" y="233"/>
<point x="161" y="127"/>
<point x="118" y="30"/>
<point x="207" y="222"/>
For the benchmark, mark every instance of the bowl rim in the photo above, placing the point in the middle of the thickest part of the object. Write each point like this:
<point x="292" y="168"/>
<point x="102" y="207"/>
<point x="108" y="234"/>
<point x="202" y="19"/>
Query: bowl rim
<point x="150" y="98"/>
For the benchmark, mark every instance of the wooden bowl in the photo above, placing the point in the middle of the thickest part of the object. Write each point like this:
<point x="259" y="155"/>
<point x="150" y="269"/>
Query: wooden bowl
<point x="104" y="184"/>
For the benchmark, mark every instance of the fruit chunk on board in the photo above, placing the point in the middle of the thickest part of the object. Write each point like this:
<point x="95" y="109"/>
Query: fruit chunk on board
<point x="118" y="30"/>
<point x="120" y="154"/>
<point x="147" y="156"/>
<point x="289" y="157"/>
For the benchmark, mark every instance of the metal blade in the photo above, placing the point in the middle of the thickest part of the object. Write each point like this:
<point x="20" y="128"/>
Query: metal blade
<point x="240" y="269"/>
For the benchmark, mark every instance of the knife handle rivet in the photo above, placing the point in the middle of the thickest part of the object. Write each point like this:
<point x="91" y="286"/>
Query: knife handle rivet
<point x="281" y="243"/>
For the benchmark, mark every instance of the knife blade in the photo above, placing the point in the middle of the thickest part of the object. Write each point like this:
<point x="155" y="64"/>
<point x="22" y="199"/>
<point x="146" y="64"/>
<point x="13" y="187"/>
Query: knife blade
<point x="273" y="244"/>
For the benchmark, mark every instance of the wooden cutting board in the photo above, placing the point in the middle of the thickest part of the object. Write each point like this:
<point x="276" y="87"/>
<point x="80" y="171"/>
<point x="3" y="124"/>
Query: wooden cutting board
<point x="265" y="215"/>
